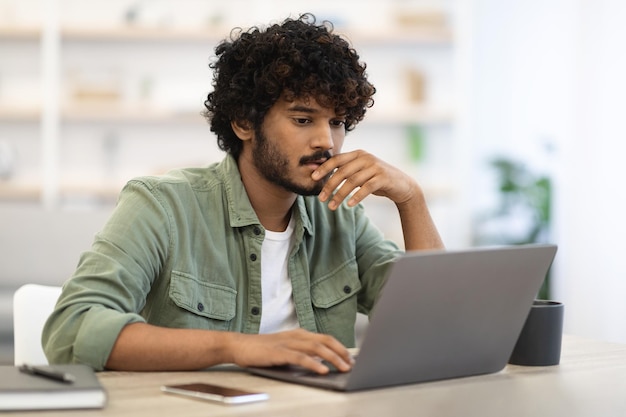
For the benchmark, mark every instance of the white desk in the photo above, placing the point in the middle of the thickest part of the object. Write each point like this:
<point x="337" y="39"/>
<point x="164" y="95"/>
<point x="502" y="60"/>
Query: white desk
<point x="590" y="381"/>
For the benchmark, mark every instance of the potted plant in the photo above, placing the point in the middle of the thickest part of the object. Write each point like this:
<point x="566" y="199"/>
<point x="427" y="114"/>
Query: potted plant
<point x="523" y="211"/>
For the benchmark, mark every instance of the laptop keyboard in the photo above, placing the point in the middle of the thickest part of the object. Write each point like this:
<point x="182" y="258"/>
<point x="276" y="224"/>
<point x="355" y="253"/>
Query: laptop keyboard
<point x="333" y="369"/>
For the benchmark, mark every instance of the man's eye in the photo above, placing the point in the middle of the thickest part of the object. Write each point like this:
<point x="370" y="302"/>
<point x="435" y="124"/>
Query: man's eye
<point x="301" y="121"/>
<point x="338" y="123"/>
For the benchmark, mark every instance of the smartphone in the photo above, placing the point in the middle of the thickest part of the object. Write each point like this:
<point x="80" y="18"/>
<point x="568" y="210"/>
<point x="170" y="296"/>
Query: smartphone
<point x="215" y="393"/>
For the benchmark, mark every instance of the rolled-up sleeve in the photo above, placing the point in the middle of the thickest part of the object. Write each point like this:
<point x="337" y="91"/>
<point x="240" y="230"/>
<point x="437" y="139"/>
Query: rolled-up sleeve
<point x="109" y="287"/>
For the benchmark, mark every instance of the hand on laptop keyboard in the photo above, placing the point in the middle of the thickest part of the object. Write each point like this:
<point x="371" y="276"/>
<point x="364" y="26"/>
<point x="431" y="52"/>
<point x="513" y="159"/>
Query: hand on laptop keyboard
<point x="332" y="368"/>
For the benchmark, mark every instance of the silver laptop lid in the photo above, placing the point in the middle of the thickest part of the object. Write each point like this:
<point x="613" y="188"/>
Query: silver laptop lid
<point x="450" y="314"/>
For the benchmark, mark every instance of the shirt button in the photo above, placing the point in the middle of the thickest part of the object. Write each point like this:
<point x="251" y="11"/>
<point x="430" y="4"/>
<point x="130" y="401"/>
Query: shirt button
<point x="255" y="311"/>
<point x="257" y="230"/>
<point x="347" y="289"/>
<point x="200" y="307"/>
<point x="253" y="257"/>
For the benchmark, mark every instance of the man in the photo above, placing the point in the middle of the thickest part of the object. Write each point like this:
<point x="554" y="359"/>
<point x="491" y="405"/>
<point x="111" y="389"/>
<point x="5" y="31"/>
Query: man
<point x="264" y="258"/>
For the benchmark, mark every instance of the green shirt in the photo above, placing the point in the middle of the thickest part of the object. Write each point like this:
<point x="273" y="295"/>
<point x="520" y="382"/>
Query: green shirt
<point x="183" y="250"/>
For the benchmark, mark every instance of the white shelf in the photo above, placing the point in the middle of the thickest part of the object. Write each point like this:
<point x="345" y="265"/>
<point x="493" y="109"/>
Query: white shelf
<point x="119" y="113"/>
<point x="128" y="115"/>
<point x="427" y="35"/>
<point x="409" y="114"/>
<point x="144" y="34"/>
<point x="399" y="36"/>
<point x="29" y="192"/>
<point x="396" y="35"/>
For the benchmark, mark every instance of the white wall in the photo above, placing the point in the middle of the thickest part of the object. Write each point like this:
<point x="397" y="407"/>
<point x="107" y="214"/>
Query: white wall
<point x="593" y="197"/>
<point x="554" y="71"/>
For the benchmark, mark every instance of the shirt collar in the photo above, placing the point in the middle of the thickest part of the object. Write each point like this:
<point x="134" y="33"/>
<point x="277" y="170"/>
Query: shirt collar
<point x="240" y="210"/>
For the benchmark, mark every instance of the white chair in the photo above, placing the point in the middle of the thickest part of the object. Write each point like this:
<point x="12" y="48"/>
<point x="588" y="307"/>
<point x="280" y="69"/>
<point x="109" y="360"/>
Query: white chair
<point x="32" y="304"/>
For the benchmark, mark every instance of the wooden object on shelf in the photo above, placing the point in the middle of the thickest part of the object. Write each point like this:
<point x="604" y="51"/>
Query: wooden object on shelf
<point x="19" y="33"/>
<point x="420" y="18"/>
<point x="416" y="85"/>
<point x="10" y="191"/>
<point x="16" y="114"/>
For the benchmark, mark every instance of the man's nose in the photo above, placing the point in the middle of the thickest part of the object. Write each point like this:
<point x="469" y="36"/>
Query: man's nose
<point x="323" y="138"/>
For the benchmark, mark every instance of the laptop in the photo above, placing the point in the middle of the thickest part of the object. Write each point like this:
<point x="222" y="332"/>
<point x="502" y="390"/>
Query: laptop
<point x="441" y="315"/>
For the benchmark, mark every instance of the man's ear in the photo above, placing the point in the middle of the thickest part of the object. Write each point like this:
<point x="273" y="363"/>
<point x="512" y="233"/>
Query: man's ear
<point x="243" y="129"/>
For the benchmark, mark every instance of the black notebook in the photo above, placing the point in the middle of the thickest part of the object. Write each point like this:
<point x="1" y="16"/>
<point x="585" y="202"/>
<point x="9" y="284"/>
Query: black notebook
<point x="23" y="391"/>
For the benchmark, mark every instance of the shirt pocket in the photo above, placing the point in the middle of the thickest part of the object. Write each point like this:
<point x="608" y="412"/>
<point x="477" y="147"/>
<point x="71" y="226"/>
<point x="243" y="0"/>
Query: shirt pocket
<point x="212" y="306"/>
<point x="335" y="301"/>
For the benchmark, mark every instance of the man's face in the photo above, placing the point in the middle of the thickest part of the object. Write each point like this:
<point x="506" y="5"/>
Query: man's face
<point x="296" y="137"/>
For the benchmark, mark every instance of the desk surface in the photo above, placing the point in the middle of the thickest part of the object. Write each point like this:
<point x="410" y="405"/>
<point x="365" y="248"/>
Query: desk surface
<point x="590" y="381"/>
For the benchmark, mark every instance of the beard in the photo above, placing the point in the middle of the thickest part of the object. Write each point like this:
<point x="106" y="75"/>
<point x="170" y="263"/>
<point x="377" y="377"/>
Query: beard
<point x="274" y="166"/>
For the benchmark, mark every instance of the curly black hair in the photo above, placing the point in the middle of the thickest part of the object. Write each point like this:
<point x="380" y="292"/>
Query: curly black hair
<point x="295" y="59"/>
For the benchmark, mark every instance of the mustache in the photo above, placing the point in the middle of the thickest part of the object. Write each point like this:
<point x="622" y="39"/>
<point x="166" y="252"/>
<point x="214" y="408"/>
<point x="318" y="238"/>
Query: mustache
<point x="317" y="156"/>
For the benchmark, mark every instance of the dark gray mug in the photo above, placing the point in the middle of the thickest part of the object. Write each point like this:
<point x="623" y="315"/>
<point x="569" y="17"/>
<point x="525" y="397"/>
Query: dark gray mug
<point x="539" y="343"/>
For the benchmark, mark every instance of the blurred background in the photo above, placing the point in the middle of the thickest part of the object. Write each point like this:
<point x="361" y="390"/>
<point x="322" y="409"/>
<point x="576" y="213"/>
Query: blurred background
<point x="509" y="113"/>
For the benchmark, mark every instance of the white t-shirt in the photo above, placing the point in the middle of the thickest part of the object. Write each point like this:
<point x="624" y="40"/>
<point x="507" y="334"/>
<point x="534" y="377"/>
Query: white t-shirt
<point x="279" y="312"/>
